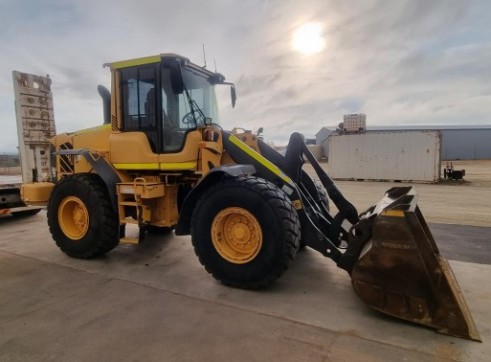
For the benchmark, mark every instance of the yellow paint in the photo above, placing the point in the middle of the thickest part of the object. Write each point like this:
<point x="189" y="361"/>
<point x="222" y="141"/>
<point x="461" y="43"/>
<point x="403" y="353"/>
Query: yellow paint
<point x="128" y="240"/>
<point x="116" y="108"/>
<point x="131" y="148"/>
<point x="190" y="151"/>
<point x="92" y="129"/>
<point x="236" y="235"/>
<point x="393" y="213"/>
<point x="37" y="193"/>
<point x="297" y="204"/>
<point x="249" y="139"/>
<point x="170" y="166"/>
<point x="73" y="217"/>
<point x="263" y="161"/>
<point x="137" y="61"/>
<point x="179" y="166"/>
<point x="136" y="166"/>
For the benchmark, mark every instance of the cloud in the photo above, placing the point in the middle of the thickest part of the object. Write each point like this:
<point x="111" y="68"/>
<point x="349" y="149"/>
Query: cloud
<point x="401" y="62"/>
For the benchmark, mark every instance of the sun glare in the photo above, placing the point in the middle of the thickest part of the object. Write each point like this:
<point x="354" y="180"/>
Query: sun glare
<point x="308" y="39"/>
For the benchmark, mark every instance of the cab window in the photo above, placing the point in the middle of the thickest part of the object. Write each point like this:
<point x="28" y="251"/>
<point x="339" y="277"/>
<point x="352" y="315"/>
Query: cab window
<point x="139" y="100"/>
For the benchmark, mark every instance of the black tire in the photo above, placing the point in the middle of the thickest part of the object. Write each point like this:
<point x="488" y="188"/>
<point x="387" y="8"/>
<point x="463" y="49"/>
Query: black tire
<point x="323" y="195"/>
<point x="324" y="200"/>
<point x="26" y="213"/>
<point x="101" y="233"/>
<point x="276" y="218"/>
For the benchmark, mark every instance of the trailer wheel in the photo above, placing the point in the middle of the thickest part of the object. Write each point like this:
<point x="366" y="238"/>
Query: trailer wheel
<point x="245" y="232"/>
<point x="81" y="218"/>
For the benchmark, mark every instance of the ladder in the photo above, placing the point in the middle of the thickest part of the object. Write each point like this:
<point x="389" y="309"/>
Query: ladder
<point x="133" y="203"/>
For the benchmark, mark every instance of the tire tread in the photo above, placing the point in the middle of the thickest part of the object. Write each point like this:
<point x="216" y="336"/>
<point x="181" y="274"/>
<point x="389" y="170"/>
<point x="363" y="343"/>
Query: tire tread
<point x="289" y="221"/>
<point x="107" y="239"/>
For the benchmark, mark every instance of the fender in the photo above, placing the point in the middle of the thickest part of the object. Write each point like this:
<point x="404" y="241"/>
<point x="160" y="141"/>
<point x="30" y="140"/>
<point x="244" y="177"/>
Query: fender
<point x="183" y="226"/>
<point x="103" y="169"/>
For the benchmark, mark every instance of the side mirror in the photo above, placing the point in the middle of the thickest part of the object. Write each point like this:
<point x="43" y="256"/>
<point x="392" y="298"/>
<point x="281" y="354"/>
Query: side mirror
<point x="233" y="95"/>
<point x="177" y="82"/>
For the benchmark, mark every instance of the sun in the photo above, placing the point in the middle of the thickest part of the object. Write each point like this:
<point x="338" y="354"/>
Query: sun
<point x="309" y="39"/>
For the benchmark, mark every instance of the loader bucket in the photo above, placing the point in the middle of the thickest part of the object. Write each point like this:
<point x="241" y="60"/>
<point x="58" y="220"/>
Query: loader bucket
<point x="400" y="271"/>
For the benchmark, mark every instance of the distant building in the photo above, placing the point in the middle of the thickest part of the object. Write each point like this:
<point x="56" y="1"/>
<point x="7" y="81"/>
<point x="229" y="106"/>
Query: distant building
<point x="466" y="144"/>
<point x="321" y="140"/>
<point x="458" y="142"/>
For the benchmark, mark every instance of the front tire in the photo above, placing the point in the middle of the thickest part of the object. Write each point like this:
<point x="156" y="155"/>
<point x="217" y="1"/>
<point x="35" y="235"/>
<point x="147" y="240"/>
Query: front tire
<point x="323" y="200"/>
<point x="81" y="218"/>
<point x="245" y="232"/>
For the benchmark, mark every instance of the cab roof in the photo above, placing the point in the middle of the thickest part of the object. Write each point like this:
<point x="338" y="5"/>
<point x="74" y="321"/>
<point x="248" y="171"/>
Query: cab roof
<point x="159" y="58"/>
<point x="146" y="60"/>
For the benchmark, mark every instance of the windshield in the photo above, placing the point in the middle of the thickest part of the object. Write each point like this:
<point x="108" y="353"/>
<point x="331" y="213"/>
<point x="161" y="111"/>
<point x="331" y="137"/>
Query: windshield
<point x="167" y="126"/>
<point x="189" y="108"/>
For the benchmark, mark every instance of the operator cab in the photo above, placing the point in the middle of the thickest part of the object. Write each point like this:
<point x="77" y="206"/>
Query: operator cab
<point x="166" y="97"/>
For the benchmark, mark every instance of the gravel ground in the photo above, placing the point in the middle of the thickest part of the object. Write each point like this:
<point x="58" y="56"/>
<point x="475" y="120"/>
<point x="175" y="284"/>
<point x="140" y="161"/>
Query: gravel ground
<point x="464" y="203"/>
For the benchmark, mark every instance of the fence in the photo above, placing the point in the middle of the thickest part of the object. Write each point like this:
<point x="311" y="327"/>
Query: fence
<point x="9" y="164"/>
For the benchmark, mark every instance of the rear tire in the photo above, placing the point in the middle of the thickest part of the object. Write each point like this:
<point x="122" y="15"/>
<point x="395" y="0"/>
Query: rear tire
<point x="81" y="218"/>
<point x="245" y="232"/>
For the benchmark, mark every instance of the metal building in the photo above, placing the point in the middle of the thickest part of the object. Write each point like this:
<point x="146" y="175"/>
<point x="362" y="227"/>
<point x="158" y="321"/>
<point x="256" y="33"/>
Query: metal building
<point x="466" y="144"/>
<point x="321" y="140"/>
<point x="458" y="142"/>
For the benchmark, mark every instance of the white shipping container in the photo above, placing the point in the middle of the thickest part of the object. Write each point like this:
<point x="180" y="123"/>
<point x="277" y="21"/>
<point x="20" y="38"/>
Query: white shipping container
<point x="392" y="156"/>
<point x="316" y="151"/>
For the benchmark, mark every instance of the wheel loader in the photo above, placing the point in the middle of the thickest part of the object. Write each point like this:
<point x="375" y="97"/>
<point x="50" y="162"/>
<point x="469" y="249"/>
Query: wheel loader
<point x="162" y="161"/>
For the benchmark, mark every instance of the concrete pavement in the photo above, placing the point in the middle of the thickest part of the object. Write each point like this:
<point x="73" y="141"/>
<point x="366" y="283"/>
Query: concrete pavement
<point x="463" y="242"/>
<point x="156" y="302"/>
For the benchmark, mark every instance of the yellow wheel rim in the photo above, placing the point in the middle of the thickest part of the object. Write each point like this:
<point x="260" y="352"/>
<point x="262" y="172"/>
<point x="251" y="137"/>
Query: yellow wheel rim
<point x="73" y="218"/>
<point x="236" y="235"/>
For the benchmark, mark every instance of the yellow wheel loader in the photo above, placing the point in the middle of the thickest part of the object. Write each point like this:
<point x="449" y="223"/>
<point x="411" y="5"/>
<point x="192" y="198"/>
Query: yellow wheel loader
<point x="162" y="161"/>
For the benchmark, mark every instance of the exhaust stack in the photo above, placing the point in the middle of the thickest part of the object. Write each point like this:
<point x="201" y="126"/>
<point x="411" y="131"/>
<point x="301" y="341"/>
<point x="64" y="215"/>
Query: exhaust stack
<point x="106" y="102"/>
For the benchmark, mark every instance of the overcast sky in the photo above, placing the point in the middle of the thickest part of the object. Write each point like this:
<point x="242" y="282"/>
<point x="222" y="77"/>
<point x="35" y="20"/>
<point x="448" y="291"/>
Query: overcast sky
<point x="401" y="62"/>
